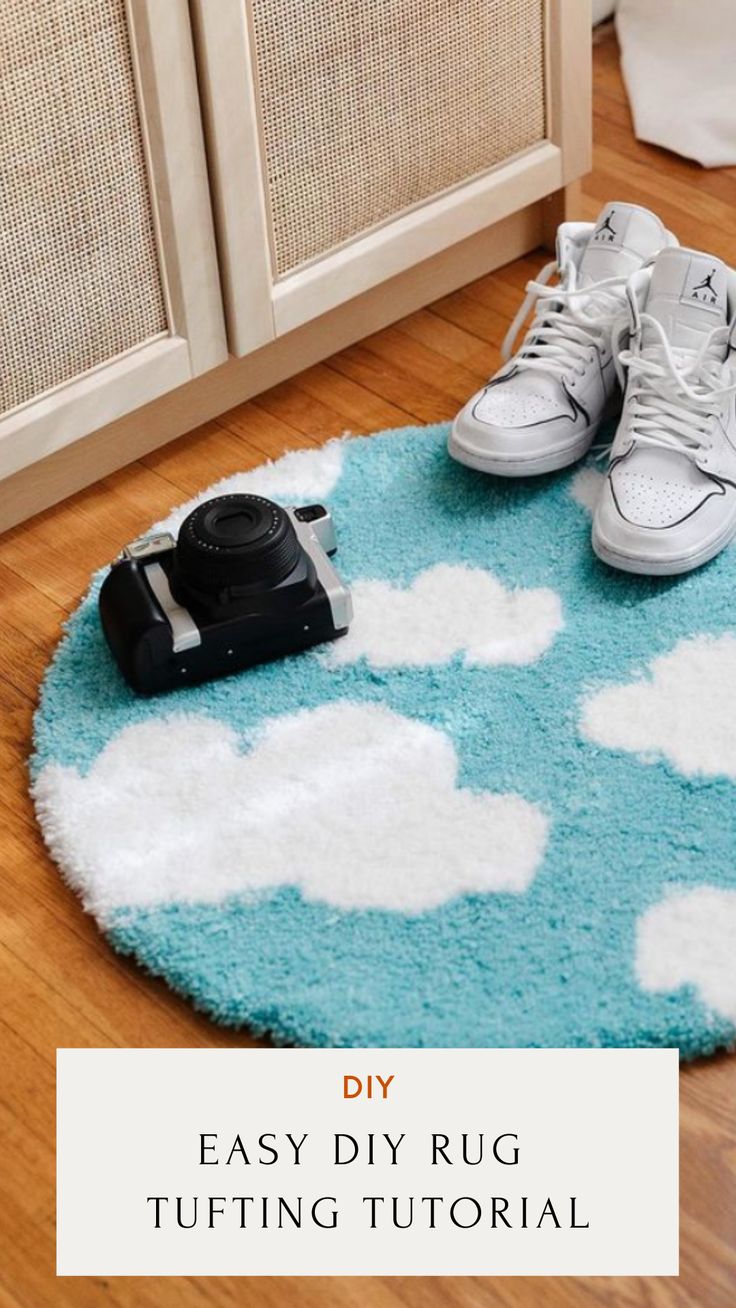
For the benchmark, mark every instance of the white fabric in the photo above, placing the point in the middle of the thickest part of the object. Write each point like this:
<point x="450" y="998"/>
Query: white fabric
<point x="586" y="487"/>
<point x="682" y="708"/>
<point x="688" y="939"/>
<point x="447" y="610"/>
<point x="369" y="798"/>
<point x="677" y="58"/>
<point x="602" y="9"/>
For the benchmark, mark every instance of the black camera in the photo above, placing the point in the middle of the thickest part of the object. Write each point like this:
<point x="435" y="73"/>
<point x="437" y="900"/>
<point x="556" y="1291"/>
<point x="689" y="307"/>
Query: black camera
<point x="246" y="581"/>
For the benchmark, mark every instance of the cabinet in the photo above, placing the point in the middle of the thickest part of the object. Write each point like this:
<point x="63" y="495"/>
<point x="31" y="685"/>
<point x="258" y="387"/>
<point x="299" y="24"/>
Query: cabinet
<point x="350" y="141"/>
<point x="198" y="199"/>
<point x="109" y="287"/>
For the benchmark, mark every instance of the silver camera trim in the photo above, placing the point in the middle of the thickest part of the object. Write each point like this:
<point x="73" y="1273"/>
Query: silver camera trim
<point x="324" y="530"/>
<point x="145" y="545"/>
<point x="316" y="538"/>
<point x="184" y="630"/>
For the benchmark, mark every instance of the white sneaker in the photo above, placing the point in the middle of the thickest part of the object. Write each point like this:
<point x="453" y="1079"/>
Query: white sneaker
<point x="669" y="500"/>
<point x="542" y="410"/>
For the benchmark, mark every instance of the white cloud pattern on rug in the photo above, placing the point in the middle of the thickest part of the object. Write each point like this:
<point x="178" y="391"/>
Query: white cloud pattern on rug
<point x="586" y="486"/>
<point x="685" y="709"/>
<point x="688" y="939"/>
<point x="299" y="477"/>
<point x="447" y="610"/>
<point x="353" y="803"/>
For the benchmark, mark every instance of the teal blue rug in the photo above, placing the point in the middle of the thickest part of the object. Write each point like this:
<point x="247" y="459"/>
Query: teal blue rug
<point x="502" y="811"/>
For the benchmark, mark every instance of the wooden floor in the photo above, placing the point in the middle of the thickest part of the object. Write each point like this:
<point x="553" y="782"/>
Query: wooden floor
<point x="61" y="985"/>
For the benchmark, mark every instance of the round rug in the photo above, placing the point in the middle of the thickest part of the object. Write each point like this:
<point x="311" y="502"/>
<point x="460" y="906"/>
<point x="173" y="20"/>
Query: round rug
<point x="499" y="812"/>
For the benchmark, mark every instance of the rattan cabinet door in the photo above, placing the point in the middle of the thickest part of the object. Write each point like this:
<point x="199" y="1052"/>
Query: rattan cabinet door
<point x="109" y="292"/>
<point x="351" y="139"/>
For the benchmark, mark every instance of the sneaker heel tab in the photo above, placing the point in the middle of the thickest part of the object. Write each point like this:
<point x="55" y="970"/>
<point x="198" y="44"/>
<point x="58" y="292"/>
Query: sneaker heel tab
<point x="577" y="234"/>
<point x="572" y="237"/>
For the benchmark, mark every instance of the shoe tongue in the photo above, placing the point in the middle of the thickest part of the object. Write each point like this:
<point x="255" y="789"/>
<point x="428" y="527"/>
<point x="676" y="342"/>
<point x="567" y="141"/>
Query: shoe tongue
<point x="624" y="237"/>
<point x="688" y="297"/>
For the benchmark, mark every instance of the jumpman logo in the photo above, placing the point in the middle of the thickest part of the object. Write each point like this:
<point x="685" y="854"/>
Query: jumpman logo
<point x="606" y="232"/>
<point x="706" y="286"/>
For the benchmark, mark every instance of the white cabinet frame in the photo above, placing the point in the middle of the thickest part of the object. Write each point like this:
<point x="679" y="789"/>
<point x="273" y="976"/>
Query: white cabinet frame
<point x="161" y="42"/>
<point x="260" y="307"/>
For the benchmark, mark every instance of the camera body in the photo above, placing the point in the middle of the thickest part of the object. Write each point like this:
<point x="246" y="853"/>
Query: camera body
<point x="247" y="581"/>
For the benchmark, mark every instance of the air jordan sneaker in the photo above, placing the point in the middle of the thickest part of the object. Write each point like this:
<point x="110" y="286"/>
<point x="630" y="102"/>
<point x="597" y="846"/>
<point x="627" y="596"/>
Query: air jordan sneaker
<point x="542" y="410"/>
<point x="668" y="503"/>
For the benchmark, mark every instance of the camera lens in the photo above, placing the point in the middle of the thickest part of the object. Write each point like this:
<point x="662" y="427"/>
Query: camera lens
<point x="236" y="540"/>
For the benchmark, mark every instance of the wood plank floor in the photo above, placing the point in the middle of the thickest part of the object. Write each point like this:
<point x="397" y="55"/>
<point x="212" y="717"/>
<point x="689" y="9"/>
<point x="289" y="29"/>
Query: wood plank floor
<point x="61" y="985"/>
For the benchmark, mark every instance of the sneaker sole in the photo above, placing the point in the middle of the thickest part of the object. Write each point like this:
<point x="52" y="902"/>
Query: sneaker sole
<point x="499" y="466"/>
<point x="661" y="567"/>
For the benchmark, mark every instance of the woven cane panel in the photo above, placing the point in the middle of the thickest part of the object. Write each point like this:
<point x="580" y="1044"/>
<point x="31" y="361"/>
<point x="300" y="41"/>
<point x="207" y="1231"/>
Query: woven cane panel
<point x="371" y="106"/>
<point x="79" y="276"/>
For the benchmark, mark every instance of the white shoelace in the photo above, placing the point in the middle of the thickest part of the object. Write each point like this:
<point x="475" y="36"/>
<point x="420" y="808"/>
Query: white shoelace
<point x="562" y="340"/>
<point x="674" y="396"/>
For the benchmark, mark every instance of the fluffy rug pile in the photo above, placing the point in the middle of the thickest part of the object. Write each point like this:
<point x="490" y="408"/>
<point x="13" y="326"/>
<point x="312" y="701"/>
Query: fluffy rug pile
<point x="501" y="811"/>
